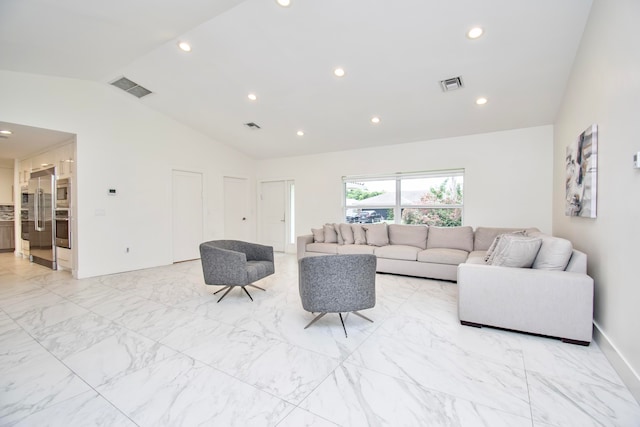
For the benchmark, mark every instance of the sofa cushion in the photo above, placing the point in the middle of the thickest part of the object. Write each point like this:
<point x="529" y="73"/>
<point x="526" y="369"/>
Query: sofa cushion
<point x="485" y="236"/>
<point x="318" y="235"/>
<point x="355" y="249"/>
<point x="515" y="251"/>
<point x="443" y="256"/>
<point x="554" y="253"/>
<point x="410" y="235"/>
<point x="347" y="234"/>
<point x="404" y="252"/>
<point x="325" y="248"/>
<point x="376" y="234"/>
<point x="451" y="238"/>
<point x="330" y="235"/>
<point x="359" y="236"/>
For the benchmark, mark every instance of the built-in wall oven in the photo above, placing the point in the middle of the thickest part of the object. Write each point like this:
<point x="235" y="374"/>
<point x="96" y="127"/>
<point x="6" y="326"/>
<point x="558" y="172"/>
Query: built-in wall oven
<point x="63" y="229"/>
<point x="63" y="193"/>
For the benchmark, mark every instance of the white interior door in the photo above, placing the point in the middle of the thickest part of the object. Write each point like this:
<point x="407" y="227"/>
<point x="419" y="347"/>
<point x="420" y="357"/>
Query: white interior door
<point x="273" y="221"/>
<point x="187" y="215"/>
<point x="236" y="209"/>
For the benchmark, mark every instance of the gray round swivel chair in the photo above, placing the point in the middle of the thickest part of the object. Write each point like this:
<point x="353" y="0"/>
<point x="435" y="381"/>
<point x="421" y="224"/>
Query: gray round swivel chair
<point x="337" y="284"/>
<point x="231" y="263"/>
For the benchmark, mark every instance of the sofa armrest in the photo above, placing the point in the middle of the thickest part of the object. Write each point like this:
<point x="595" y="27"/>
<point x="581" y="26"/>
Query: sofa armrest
<point x="301" y="244"/>
<point x="554" y="303"/>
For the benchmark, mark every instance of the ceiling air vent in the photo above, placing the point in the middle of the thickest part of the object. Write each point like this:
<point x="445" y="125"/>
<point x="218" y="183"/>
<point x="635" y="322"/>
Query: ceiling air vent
<point x="451" y="84"/>
<point x="131" y="87"/>
<point x="252" y="125"/>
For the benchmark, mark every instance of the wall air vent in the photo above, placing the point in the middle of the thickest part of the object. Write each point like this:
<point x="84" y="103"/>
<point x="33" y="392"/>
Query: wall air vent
<point x="131" y="87"/>
<point x="451" y="84"/>
<point x="252" y="126"/>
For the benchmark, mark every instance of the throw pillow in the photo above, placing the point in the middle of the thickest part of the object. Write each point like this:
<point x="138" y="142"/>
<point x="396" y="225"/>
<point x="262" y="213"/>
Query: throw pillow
<point x="554" y="253"/>
<point x="338" y="233"/>
<point x="330" y="235"/>
<point x="497" y="239"/>
<point x="318" y="235"/>
<point x="376" y="234"/>
<point x="516" y="251"/>
<point x="347" y="234"/>
<point x="359" y="236"/>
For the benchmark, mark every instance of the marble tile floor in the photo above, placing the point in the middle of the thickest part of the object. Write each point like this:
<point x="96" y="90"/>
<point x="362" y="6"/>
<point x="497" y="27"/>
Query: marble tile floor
<point x="153" y="348"/>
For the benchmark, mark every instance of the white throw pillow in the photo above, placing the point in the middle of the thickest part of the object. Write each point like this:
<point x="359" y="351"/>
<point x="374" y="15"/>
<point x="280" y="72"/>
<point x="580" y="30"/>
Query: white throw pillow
<point x="330" y="235"/>
<point x="377" y="234"/>
<point x="347" y="234"/>
<point x="497" y="239"/>
<point x="515" y="251"/>
<point x="359" y="236"/>
<point x="318" y="235"/>
<point x="554" y="253"/>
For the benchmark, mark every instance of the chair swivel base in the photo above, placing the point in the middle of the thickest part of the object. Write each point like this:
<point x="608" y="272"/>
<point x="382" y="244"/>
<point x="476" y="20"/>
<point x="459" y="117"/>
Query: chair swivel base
<point x="228" y="288"/>
<point x="319" y="316"/>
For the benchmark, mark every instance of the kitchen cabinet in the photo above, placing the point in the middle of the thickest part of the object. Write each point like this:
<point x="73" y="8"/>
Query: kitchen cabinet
<point x="6" y="185"/>
<point x="7" y="236"/>
<point x="64" y="162"/>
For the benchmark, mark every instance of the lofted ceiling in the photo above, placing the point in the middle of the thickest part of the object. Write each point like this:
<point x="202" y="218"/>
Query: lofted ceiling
<point x="394" y="54"/>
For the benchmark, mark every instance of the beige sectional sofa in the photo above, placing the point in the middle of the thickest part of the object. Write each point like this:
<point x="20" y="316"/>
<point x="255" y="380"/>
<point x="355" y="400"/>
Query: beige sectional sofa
<point x="552" y="295"/>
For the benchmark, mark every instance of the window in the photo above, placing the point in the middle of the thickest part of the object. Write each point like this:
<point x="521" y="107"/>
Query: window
<point x="432" y="198"/>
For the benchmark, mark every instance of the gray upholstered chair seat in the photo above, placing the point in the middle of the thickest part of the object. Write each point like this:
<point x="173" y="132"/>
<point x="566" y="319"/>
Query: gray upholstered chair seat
<point x="232" y="263"/>
<point x="337" y="284"/>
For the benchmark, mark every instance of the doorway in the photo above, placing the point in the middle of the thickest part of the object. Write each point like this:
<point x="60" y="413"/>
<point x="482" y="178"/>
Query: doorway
<point x="188" y="215"/>
<point x="236" y="209"/>
<point x="277" y="215"/>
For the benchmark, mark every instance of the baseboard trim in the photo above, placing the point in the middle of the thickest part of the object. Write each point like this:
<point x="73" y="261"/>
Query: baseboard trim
<point x="630" y="377"/>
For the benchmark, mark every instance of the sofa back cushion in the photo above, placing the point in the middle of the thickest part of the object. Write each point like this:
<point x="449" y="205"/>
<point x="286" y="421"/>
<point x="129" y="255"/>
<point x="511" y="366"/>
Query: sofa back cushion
<point x="409" y="235"/>
<point x="376" y="234"/>
<point x="451" y="237"/>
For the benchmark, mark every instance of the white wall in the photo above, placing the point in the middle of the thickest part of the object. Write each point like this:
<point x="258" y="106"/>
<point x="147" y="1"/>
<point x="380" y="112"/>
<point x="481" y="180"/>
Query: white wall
<point x="605" y="89"/>
<point x="507" y="176"/>
<point x="122" y="144"/>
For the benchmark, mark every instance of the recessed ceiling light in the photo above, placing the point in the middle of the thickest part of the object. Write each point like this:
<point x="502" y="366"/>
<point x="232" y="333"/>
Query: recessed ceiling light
<point x="284" y="3"/>
<point x="339" y="72"/>
<point x="184" y="46"/>
<point x="300" y="133"/>
<point x="375" y="119"/>
<point x="5" y="132"/>
<point x="481" y="101"/>
<point x="252" y="96"/>
<point x="475" y="32"/>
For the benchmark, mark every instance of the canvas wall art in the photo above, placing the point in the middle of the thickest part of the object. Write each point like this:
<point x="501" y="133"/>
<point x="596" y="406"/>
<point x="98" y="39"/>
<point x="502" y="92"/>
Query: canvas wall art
<point x="582" y="174"/>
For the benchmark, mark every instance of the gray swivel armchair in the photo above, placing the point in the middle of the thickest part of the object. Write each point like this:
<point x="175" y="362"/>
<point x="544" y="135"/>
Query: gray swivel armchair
<point x="231" y="263"/>
<point x="337" y="284"/>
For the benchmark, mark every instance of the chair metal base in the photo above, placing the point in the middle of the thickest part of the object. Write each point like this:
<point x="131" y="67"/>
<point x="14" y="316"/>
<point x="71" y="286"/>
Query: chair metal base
<point x="228" y="288"/>
<point x="319" y="316"/>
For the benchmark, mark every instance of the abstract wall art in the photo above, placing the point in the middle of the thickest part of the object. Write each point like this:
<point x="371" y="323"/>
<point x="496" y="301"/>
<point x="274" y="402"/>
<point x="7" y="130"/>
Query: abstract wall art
<point x="582" y="174"/>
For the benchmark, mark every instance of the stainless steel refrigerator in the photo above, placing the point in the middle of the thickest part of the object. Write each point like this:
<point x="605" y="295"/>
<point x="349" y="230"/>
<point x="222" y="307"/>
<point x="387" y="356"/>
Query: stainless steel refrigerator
<point x="42" y="233"/>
